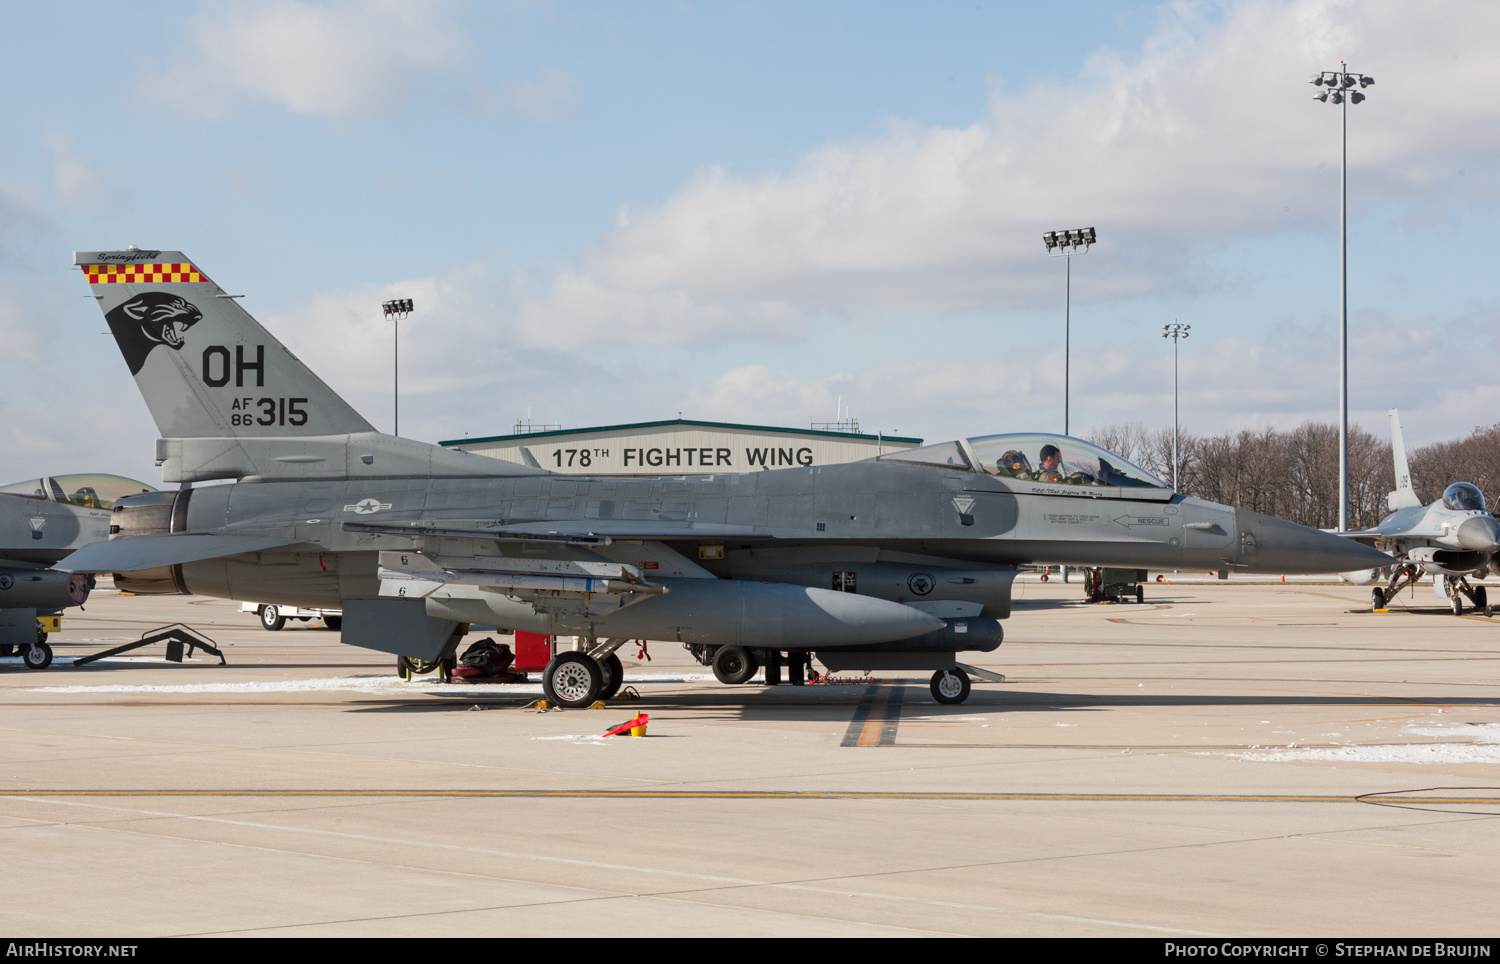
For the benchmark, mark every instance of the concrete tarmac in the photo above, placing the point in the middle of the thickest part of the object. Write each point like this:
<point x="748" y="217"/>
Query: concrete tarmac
<point x="1237" y="760"/>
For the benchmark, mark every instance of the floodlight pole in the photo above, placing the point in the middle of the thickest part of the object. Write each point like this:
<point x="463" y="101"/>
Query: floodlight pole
<point x="1175" y="332"/>
<point x="1344" y="314"/>
<point x="1065" y="244"/>
<point x="1343" y="81"/>
<point x="396" y="310"/>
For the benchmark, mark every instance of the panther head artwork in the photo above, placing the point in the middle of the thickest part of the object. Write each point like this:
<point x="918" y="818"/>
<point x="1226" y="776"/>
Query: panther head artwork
<point x="151" y="319"/>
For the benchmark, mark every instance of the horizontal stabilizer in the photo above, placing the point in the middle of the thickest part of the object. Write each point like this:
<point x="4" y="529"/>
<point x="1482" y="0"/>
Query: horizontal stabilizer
<point x="148" y="552"/>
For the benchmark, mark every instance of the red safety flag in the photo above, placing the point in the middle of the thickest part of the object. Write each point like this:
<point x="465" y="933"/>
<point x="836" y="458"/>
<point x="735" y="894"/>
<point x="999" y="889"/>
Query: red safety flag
<point x="628" y="725"/>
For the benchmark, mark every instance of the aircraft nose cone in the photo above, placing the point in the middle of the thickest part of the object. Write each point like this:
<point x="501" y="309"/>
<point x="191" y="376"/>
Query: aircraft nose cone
<point x="1481" y="533"/>
<point x="1269" y="544"/>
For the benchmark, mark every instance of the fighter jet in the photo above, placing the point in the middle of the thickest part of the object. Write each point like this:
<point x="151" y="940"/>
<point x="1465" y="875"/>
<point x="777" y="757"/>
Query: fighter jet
<point x="42" y="521"/>
<point x="1452" y="540"/>
<point x="900" y="562"/>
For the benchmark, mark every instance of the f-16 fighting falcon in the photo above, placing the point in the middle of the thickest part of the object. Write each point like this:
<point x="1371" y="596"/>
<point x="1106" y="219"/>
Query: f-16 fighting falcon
<point x="41" y="521"/>
<point x="1452" y="540"/>
<point x="899" y="562"/>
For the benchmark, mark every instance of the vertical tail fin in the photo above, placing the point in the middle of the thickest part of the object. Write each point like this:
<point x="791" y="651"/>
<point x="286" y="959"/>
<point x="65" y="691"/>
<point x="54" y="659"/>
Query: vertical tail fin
<point x="230" y="401"/>
<point x="205" y="367"/>
<point x="1405" y="496"/>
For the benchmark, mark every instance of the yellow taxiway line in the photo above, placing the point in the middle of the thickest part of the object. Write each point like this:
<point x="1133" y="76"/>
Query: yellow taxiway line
<point x="1396" y="797"/>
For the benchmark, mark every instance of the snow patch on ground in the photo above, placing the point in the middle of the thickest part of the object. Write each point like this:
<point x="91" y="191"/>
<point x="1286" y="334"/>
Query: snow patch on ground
<point x="1481" y="745"/>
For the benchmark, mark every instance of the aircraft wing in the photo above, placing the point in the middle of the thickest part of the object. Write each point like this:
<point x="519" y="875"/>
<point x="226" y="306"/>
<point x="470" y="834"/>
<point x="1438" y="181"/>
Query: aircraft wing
<point x="149" y="552"/>
<point x="594" y="534"/>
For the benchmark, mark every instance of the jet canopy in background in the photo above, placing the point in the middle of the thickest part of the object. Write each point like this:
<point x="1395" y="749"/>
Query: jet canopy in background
<point x="89" y="490"/>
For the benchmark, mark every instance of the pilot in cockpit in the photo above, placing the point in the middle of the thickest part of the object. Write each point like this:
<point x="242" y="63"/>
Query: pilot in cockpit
<point x="1015" y="464"/>
<point x="1051" y="467"/>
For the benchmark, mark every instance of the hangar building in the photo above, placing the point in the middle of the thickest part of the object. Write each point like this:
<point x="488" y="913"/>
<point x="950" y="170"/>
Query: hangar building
<point x="683" y="447"/>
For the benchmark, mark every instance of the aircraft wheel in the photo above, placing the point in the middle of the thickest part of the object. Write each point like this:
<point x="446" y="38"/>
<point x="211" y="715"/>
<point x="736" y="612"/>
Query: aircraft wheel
<point x="271" y="619"/>
<point x="950" y="686"/>
<point x="1481" y="598"/>
<point x="1377" y="598"/>
<point x="734" y="665"/>
<point x="410" y="665"/>
<point x="572" y="680"/>
<point x="38" y="656"/>
<point x="334" y="623"/>
<point x="614" y="675"/>
<point x="1140" y="595"/>
<point x="1458" y="604"/>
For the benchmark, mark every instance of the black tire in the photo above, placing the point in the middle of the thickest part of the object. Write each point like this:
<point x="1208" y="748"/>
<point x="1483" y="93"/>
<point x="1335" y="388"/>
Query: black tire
<point x="271" y="618"/>
<point x="37" y="656"/>
<point x="572" y="680"/>
<point x="414" y="666"/>
<point x="614" y="675"/>
<point x="734" y="665"/>
<point x="1140" y="595"/>
<point x="1481" y="598"/>
<point x="1377" y="598"/>
<point x="1458" y="603"/>
<point x="334" y="623"/>
<point x="950" y="686"/>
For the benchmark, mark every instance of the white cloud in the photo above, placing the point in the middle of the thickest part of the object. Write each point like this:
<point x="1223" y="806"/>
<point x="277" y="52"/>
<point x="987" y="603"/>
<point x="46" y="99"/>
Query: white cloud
<point x="345" y="57"/>
<point x="1208" y="132"/>
<point x="551" y="96"/>
<point x="348" y="58"/>
<point x="72" y="176"/>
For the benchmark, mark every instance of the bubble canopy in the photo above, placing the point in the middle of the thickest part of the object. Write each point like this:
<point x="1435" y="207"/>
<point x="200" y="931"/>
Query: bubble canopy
<point x="1035" y="457"/>
<point x="1462" y="497"/>
<point x="92" y="490"/>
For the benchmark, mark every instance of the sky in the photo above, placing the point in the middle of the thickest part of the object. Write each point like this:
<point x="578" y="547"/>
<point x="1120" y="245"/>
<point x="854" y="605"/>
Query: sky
<point x="765" y="213"/>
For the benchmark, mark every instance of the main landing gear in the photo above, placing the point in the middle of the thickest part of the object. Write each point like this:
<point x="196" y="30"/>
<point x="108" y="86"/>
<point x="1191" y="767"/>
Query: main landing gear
<point x="574" y="680"/>
<point x="950" y="686"/>
<point x="1457" y="587"/>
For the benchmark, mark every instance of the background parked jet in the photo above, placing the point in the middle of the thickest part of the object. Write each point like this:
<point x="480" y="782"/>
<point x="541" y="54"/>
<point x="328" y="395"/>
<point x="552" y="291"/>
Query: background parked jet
<point x="1454" y="539"/>
<point x="900" y="562"/>
<point x="41" y="521"/>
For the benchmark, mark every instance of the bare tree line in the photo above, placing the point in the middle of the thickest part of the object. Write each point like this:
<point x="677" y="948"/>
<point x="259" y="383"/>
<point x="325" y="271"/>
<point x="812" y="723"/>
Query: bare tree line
<point x="1294" y="474"/>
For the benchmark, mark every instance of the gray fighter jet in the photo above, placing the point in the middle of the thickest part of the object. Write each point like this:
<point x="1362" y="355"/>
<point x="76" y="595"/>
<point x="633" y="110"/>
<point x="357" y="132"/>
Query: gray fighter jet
<point x="900" y="562"/>
<point x="42" y="521"/>
<point x="1453" y="540"/>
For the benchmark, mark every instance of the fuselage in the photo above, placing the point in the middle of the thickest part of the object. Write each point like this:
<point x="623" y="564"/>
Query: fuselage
<point x="880" y="522"/>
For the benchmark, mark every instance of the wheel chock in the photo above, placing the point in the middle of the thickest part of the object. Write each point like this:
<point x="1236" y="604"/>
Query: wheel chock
<point x="635" y="727"/>
<point x="1380" y="610"/>
<point x="598" y="705"/>
<point x="540" y="706"/>
<point x="628" y="693"/>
